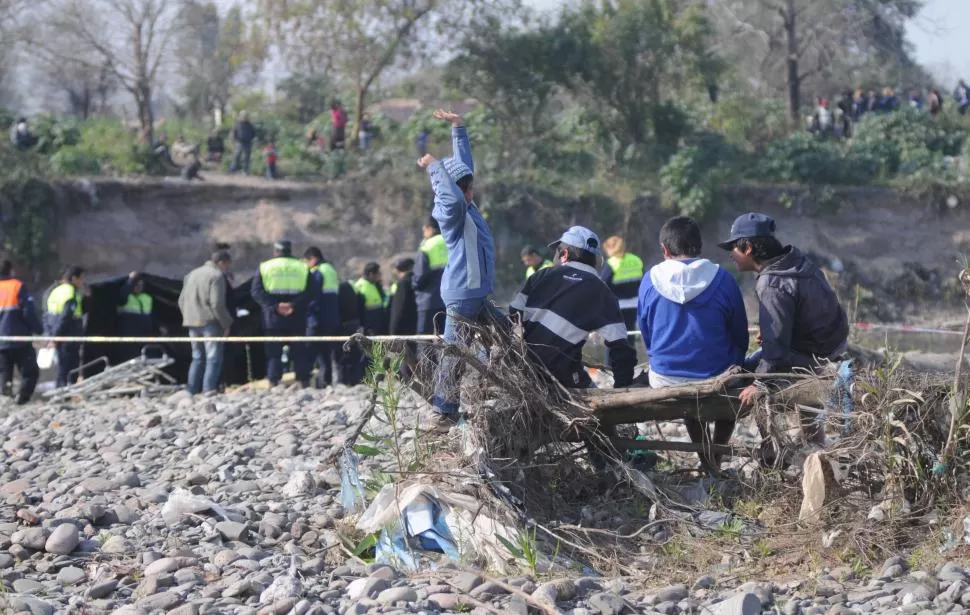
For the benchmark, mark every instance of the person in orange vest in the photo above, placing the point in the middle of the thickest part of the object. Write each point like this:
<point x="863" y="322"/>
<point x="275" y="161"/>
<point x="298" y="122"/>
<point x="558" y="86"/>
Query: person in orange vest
<point x="18" y="317"/>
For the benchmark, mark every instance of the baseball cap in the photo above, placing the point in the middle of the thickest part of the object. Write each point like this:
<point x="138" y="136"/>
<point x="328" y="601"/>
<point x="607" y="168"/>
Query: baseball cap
<point x="580" y="237"/>
<point x="456" y="169"/>
<point x="749" y="225"/>
<point x="283" y="245"/>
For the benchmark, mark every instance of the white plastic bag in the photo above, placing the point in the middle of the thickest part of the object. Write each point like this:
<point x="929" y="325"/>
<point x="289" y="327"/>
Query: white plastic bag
<point x="182" y="502"/>
<point x="46" y="358"/>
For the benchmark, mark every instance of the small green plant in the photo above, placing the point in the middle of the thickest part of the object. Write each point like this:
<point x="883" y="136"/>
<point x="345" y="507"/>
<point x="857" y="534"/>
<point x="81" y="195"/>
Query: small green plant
<point x="762" y="550"/>
<point x="524" y="548"/>
<point x="730" y="530"/>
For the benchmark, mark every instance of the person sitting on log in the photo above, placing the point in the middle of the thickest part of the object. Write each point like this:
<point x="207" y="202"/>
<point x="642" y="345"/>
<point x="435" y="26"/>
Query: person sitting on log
<point x="802" y="325"/>
<point x="560" y="306"/>
<point x="692" y="318"/>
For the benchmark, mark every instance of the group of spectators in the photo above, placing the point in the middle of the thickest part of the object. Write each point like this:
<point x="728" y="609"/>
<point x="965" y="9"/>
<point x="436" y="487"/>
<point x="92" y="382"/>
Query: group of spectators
<point x="839" y="119"/>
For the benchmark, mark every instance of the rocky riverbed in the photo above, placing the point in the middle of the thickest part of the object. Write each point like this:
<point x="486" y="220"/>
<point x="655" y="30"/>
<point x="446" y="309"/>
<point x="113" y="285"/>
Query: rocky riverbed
<point x="88" y="524"/>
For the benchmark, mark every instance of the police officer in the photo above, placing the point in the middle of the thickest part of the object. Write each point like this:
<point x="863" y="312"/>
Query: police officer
<point x="349" y="358"/>
<point x="533" y="261"/>
<point x="18" y="317"/>
<point x="281" y="287"/>
<point x="323" y="315"/>
<point x="134" y="314"/>
<point x="623" y="273"/>
<point x="374" y="317"/>
<point x="430" y="264"/>
<point x="65" y="317"/>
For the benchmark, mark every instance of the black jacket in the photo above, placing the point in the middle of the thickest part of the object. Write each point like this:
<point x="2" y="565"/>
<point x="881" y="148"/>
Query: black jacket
<point x="404" y="308"/>
<point x="559" y="308"/>
<point x="351" y="306"/>
<point x="244" y="132"/>
<point x="799" y="314"/>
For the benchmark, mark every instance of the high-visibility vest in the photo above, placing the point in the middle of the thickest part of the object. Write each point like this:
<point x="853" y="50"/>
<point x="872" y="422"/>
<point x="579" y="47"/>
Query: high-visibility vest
<point x="138" y="304"/>
<point x="10" y="295"/>
<point x="61" y="296"/>
<point x="627" y="268"/>
<point x="284" y="275"/>
<point x="331" y="281"/>
<point x="435" y="249"/>
<point x="372" y="296"/>
<point x="531" y="270"/>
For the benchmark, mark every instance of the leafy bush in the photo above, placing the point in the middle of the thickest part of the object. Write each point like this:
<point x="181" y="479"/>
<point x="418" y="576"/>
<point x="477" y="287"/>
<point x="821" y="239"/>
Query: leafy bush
<point x="52" y="133"/>
<point x="750" y="122"/>
<point x="910" y="140"/>
<point x="691" y="178"/>
<point x="73" y="160"/>
<point x="801" y="158"/>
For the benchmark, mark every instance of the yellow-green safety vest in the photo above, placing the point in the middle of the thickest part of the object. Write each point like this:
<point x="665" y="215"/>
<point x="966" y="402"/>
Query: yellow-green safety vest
<point x="138" y="304"/>
<point x="627" y="268"/>
<point x="372" y="296"/>
<point x="284" y="275"/>
<point x="331" y="281"/>
<point x="531" y="270"/>
<point x="436" y="251"/>
<point x="61" y="296"/>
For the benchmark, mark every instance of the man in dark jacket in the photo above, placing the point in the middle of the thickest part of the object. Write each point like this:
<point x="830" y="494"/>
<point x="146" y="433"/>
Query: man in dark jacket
<point x="135" y="309"/>
<point x="281" y="287"/>
<point x="65" y="318"/>
<point x="801" y="321"/>
<point x="428" y="268"/>
<point x="18" y="317"/>
<point x="403" y="306"/>
<point x="351" y="306"/>
<point x="243" y="134"/>
<point x="323" y="315"/>
<point x="560" y="306"/>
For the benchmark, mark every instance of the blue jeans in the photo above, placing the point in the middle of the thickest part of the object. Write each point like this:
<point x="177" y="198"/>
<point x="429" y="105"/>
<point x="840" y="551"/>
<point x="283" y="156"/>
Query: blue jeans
<point x="208" y="354"/>
<point x="462" y="315"/>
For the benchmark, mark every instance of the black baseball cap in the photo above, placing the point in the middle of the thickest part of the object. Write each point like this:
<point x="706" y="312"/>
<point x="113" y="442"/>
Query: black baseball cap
<point x="749" y="225"/>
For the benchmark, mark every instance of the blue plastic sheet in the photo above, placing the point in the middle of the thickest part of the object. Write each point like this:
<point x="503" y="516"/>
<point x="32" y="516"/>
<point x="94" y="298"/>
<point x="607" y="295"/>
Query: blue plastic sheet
<point x="352" y="495"/>
<point x="841" y="394"/>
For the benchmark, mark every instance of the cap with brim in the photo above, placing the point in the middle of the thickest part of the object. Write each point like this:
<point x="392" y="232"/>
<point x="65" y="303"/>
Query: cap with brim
<point x="747" y="226"/>
<point x="581" y="238"/>
<point x="456" y="169"/>
<point x="283" y="245"/>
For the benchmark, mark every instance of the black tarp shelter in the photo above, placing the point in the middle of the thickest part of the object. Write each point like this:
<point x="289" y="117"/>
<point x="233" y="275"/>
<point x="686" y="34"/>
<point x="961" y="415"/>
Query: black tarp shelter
<point x="241" y="362"/>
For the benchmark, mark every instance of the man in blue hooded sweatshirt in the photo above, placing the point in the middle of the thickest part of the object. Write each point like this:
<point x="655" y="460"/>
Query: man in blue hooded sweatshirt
<point x="692" y="318"/>
<point x="469" y="276"/>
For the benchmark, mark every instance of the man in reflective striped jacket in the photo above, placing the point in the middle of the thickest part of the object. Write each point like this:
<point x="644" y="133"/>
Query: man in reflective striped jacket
<point x="560" y="306"/>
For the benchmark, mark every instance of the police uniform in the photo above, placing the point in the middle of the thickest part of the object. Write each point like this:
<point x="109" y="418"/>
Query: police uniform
<point x="134" y="318"/>
<point x="374" y="316"/>
<point x="430" y="265"/>
<point x="560" y="306"/>
<point x="65" y="318"/>
<point x="18" y="317"/>
<point x="283" y="279"/>
<point x="623" y="275"/>
<point x="532" y="270"/>
<point x="323" y="319"/>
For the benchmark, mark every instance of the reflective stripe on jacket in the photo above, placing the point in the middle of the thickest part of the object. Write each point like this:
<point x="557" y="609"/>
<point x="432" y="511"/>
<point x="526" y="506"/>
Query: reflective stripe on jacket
<point x="284" y="275"/>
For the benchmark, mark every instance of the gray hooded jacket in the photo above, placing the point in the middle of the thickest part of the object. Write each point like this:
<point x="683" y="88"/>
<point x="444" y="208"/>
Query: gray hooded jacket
<point x="799" y="314"/>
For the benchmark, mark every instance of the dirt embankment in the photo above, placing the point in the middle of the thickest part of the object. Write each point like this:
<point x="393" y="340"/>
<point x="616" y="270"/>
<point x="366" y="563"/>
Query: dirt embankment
<point x="895" y="256"/>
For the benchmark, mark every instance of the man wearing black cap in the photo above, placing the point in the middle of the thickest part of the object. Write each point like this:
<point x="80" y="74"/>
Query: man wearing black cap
<point x="560" y="306"/>
<point x="403" y="307"/>
<point x="801" y="321"/>
<point x="281" y="288"/>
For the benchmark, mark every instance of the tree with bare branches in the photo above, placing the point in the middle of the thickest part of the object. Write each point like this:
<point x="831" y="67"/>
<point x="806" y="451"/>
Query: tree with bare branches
<point x="129" y="38"/>
<point x="358" y="41"/>
<point x="782" y="45"/>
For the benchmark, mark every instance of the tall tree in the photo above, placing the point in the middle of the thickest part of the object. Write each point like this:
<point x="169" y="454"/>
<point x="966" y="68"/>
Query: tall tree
<point x="630" y="59"/>
<point x="784" y="45"/>
<point x="132" y="38"/>
<point x="359" y="41"/>
<point x="212" y="51"/>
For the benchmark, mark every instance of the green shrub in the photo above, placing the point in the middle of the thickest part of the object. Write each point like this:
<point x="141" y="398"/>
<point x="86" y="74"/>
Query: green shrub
<point x="53" y="134"/>
<point x="73" y="160"/>
<point x="801" y="158"/>
<point x="910" y="140"/>
<point x="691" y="178"/>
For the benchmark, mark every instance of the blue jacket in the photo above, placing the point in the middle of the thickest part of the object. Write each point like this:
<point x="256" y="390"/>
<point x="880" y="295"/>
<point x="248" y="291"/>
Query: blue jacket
<point x="692" y="318"/>
<point x="323" y="313"/>
<point x="18" y="315"/>
<point x="470" y="273"/>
